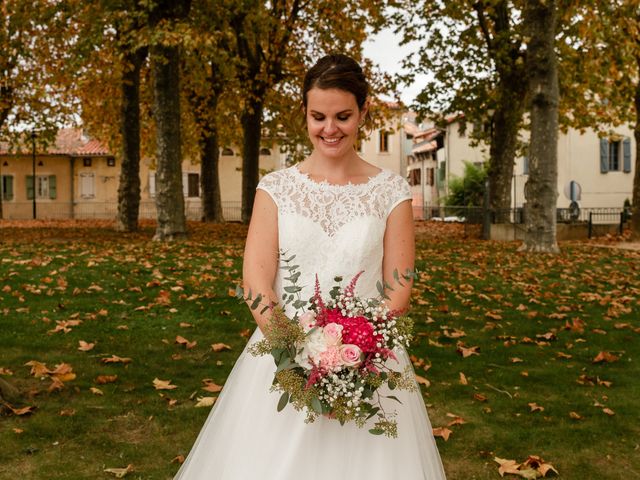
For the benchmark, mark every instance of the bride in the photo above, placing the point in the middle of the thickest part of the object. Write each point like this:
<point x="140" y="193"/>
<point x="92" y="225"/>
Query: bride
<point x="339" y="215"/>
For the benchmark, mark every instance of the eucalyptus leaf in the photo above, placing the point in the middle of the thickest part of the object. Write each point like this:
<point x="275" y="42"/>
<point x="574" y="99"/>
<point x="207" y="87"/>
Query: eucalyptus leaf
<point x="256" y="302"/>
<point x="376" y="431"/>
<point x="392" y="385"/>
<point x="284" y="399"/>
<point x="393" y="397"/>
<point x="292" y="289"/>
<point x="316" y="405"/>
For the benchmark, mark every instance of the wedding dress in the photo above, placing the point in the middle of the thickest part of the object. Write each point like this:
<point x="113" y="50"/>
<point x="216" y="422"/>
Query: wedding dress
<point x="332" y="230"/>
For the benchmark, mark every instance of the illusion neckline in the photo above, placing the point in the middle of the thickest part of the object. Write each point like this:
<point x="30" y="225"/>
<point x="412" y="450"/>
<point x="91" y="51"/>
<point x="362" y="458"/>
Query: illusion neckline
<point x="325" y="183"/>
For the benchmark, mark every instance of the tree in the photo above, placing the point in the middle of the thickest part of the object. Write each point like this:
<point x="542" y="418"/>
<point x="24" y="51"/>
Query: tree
<point x="474" y="53"/>
<point x="31" y="98"/>
<point x="165" y="65"/>
<point x="539" y="18"/>
<point x="468" y="190"/>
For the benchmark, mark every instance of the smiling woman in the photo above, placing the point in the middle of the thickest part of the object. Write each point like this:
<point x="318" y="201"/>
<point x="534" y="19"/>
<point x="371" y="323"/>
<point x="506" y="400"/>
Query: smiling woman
<point x="339" y="216"/>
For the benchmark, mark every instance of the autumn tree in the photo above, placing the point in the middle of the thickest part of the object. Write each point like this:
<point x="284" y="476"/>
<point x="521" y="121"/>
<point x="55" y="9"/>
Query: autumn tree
<point x="165" y="64"/>
<point x="608" y="44"/>
<point x="473" y="53"/>
<point x="273" y="49"/>
<point x="32" y="98"/>
<point x="541" y="189"/>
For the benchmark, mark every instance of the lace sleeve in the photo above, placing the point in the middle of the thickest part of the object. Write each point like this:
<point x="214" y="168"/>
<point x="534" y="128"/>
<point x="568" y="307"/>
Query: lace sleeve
<point x="269" y="183"/>
<point x="400" y="191"/>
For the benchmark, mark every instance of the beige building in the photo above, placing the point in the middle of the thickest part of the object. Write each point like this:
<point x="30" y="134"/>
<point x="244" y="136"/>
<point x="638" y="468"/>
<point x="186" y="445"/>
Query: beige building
<point x="78" y="178"/>
<point x="592" y="171"/>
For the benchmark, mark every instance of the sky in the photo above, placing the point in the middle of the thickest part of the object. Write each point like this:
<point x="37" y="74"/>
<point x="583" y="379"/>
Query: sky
<point x="385" y="50"/>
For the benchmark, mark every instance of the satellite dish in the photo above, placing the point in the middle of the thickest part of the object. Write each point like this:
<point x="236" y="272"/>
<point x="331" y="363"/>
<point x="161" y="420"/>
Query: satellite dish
<point x="573" y="191"/>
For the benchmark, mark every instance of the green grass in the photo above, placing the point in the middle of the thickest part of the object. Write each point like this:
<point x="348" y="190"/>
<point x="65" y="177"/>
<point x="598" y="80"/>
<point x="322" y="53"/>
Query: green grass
<point x="499" y="298"/>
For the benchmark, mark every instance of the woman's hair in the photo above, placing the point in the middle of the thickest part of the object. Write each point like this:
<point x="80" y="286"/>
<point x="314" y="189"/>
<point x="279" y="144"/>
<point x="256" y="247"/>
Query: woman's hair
<point x="340" y="72"/>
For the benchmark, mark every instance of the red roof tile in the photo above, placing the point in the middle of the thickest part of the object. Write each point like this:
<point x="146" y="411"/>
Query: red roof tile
<point x="69" y="141"/>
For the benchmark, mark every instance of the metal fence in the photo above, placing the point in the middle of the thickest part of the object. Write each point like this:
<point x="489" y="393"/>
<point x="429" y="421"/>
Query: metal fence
<point x="231" y="211"/>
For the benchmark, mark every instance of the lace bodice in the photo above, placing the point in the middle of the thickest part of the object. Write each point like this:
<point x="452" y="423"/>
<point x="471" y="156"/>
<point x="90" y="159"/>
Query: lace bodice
<point x="334" y="230"/>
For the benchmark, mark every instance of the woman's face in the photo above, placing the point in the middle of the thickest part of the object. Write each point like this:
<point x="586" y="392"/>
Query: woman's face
<point x="333" y="117"/>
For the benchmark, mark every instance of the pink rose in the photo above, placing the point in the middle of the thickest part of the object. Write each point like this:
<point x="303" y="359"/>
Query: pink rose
<point x="307" y="320"/>
<point x="333" y="333"/>
<point x="331" y="358"/>
<point x="351" y="355"/>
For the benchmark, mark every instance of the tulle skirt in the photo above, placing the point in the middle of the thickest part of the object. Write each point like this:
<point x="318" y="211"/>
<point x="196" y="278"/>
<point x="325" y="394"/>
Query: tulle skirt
<point x="246" y="438"/>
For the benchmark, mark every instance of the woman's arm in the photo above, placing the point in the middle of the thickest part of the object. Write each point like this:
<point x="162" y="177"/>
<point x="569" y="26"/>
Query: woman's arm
<point x="260" y="263"/>
<point x="399" y="254"/>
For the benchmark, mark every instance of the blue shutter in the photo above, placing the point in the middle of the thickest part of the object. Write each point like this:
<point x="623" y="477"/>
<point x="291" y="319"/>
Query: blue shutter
<point x="604" y="155"/>
<point x="626" y="155"/>
<point x="30" y="187"/>
<point x="52" y="187"/>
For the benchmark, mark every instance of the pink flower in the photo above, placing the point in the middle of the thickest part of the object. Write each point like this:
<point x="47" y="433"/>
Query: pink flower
<point x="333" y="334"/>
<point x="307" y="320"/>
<point x="351" y="355"/>
<point x="331" y="358"/>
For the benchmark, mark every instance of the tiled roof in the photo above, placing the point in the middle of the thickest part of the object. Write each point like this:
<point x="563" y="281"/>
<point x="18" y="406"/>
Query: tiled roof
<point x="69" y="141"/>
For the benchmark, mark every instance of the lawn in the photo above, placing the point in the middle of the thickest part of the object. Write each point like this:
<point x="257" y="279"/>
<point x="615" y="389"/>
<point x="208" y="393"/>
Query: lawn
<point x="523" y="354"/>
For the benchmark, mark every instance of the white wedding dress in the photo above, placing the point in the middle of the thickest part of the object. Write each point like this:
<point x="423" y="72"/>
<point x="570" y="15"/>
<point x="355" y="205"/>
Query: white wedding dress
<point x="332" y="230"/>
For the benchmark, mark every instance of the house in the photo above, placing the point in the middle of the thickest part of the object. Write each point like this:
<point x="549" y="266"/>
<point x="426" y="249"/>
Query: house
<point x="593" y="171"/>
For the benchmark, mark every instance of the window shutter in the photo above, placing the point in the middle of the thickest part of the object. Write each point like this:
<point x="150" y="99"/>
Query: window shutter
<point x="52" y="187"/>
<point x="626" y="155"/>
<point x="604" y="155"/>
<point x="185" y="184"/>
<point x="87" y="185"/>
<point x="152" y="184"/>
<point x="30" y="187"/>
<point x="525" y="165"/>
<point x="8" y="188"/>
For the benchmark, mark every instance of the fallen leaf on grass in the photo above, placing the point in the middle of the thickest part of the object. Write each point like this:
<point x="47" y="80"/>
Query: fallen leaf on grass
<point x="120" y="472"/>
<point x="96" y="391"/>
<point x="535" y="407"/>
<point x="423" y="381"/>
<point x="18" y="430"/>
<point x="516" y="360"/>
<point x="532" y="468"/>
<point x="38" y="369"/>
<point x="180" y="340"/>
<point x="65" y="325"/>
<point x="206" y="401"/>
<point x="575" y="416"/>
<point x="5" y="371"/>
<point x="163" y="384"/>
<point x="466" y="351"/>
<point x="605" y="357"/>
<point x="84" y="346"/>
<point x="185" y="325"/>
<point x="563" y="355"/>
<point x="463" y="379"/>
<point x="608" y="411"/>
<point x="442" y="432"/>
<point x="211" y="386"/>
<point x="480" y="397"/>
<point x="178" y="459"/>
<point x="104" y="379"/>
<point x="218" y="347"/>
<point x="116" y="359"/>
<point x="67" y="412"/>
<point x="20" y="411"/>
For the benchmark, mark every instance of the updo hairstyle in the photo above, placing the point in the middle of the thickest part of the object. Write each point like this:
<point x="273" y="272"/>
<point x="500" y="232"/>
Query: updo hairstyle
<point x="340" y="72"/>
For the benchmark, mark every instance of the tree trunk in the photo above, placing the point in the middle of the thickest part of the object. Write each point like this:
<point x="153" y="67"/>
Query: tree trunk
<point x="541" y="190"/>
<point x="169" y="192"/>
<point x="209" y="177"/>
<point x="635" y="202"/>
<point x="129" y="187"/>
<point x="6" y="102"/>
<point x="506" y="123"/>
<point x="251" y="131"/>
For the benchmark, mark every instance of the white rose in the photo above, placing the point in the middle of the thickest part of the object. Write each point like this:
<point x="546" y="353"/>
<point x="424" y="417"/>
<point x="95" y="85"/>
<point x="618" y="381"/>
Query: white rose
<point x="314" y="345"/>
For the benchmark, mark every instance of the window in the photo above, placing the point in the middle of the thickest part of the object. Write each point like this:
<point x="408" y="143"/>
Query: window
<point x="6" y="187"/>
<point x="227" y="152"/>
<point x="87" y="185"/>
<point x="525" y="165"/>
<point x="111" y="161"/>
<point x="430" y="177"/>
<point x="152" y="184"/>
<point x="414" y="176"/>
<point x="192" y="185"/>
<point x="265" y="151"/>
<point x="615" y="155"/>
<point x="86" y="162"/>
<point x="383" y="141"/>
<point x="45" y="187"/>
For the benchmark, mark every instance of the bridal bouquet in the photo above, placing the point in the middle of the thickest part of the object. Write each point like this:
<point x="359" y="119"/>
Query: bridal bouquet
<point x="335" y="357"/>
